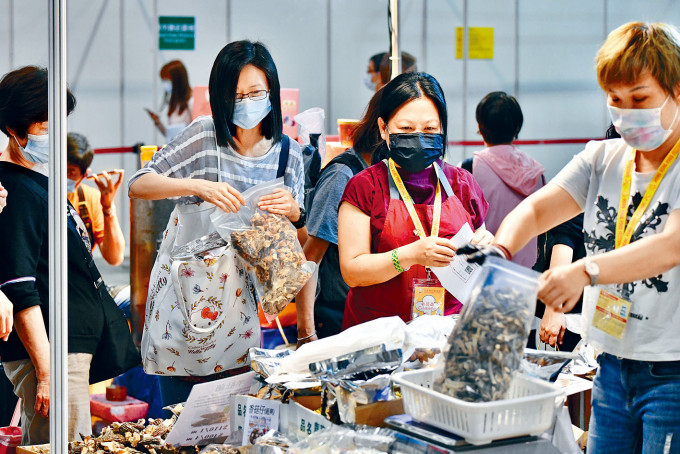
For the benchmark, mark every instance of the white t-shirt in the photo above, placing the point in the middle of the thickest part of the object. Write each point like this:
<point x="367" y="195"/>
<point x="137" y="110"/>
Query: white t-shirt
<point x="593" y="178"/>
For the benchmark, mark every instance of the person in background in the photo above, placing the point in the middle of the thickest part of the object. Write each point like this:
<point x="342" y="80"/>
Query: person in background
<point x="179" y="99"/>
<point x="506" y="175"/>
<point x="244" y="139"/>
<point x="385" y="243"/>
<point x="629" y="192"/>
<point x="559" y="246"/>
<point x="95" y="207"/>
<point x="321" y="316"/>
<point x="408" y="64"/>
<point x="372" y="80"/>
<point x="24" y="266"/>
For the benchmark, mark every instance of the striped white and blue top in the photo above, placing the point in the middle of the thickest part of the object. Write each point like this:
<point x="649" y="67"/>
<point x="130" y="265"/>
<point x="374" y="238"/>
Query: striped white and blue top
<point x="193" y="153"/>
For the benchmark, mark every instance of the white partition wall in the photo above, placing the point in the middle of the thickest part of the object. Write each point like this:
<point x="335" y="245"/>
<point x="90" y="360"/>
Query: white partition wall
<point x="543" y="53"/>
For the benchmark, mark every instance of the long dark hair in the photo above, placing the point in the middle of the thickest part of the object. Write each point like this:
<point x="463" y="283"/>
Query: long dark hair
<point x="366" y="135"/>
<point x="181" y="90"/>
<point x="222" y="87"/>
<point x="407" y="87"/>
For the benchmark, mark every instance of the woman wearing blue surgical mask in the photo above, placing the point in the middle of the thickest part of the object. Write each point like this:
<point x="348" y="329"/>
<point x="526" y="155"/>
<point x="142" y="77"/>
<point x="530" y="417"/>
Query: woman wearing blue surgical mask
<point x="24" y="273"/>
<point x="218" y="157"/>
<point x="629" y="192"/>
<point x="177" y="95"/>
<point x="396" y="218"/>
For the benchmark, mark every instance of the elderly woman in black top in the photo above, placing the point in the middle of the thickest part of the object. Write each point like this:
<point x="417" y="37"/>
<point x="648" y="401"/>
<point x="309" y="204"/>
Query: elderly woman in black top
<point x="24" y="265"/>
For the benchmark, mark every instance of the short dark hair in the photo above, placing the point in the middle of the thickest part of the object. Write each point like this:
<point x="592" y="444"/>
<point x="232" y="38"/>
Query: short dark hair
<point x="376" y="59"/>
<point x="181" y="90"/>
<point x="23" y="100"/>
<point x="407" y="87"/>
<point x="408" y="64"/>
<point x="366" y="135"/>
<point x="78" y="151"/>
<point x="499" y="118"/>
<point x="222" y="87"/>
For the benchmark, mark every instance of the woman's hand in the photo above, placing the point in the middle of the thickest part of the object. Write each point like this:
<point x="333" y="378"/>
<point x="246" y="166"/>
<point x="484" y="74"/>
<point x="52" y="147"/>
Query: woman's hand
<point x="561" y="287"/>
<point x="3" y="198"/>
<point x="482" y="237"/>
<point x="6" y="317"/>
<point x="430" y="251"/>
<point x="221" y="195"/>
<point x="306" y="335"/>
<point x="282" y="202"/>
<point x="42" y="397"/>
<point x="553" y="326"/>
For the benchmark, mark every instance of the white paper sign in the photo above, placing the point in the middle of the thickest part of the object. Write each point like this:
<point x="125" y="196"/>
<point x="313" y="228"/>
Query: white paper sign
<point x="205" y="418"/>
<point x="261" y="417"/>
<point x="460" y="276"/>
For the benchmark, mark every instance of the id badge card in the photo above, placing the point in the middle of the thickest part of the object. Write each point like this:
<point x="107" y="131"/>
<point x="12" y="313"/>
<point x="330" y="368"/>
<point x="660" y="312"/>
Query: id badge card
<point x="428" y="298"/>
<point x="611" y="314"/>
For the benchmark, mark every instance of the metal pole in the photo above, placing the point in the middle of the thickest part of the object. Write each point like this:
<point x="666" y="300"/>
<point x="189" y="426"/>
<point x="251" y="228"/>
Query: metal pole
<point x="395" y="50"/>
<point x="465" y="75"/>
<point x="10" y="41"/>
<point x="121" y="66"/>
<point x="58" y="275"/>
<point x="329" y="69"/>
<point x="423" y="44"/>
<point x="516" y="48"/>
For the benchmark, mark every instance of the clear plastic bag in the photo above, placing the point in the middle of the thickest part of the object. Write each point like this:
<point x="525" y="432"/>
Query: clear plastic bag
<point x="346" y="439"/>
<point x="268" y="245"/>
<point x="485" y="347"/>
<point x="219" y="449"/>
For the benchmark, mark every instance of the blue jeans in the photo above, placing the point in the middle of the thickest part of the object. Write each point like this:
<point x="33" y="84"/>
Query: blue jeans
<point x="636" y="407"/>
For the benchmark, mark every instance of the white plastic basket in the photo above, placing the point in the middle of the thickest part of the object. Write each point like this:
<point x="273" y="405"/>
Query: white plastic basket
<point x="528" y="410"/>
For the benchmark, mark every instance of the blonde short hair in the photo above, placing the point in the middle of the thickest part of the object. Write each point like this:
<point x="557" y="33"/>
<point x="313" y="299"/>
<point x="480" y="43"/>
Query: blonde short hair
<point x="636" y="47"/>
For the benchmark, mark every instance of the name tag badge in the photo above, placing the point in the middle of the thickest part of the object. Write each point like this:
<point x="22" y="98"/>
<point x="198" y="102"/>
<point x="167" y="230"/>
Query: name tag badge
<point x="611" y="314"/>
<point x="428" y="298"/>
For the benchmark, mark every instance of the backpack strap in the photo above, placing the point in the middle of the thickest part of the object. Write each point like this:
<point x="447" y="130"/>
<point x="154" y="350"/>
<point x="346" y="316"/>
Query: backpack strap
<point x="283" y="156"/>
<point x="351" y="160"/>
<point x="84" y="214"/>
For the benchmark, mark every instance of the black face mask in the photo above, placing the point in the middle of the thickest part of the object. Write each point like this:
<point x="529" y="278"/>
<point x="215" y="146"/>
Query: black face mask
<point x="415" y="151"/>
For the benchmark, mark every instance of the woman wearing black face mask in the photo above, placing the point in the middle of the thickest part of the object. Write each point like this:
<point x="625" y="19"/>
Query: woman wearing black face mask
<point x="396" y="218"/>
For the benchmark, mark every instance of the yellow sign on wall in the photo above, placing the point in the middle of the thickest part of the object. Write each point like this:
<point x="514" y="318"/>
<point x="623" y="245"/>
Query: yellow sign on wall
<point x="480" y="43"/>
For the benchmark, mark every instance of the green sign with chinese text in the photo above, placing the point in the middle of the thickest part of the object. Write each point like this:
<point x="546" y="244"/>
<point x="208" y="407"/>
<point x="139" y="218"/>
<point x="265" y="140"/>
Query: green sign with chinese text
<point x="176" y="33"/>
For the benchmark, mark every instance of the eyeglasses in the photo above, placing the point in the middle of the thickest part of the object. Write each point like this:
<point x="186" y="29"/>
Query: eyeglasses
<point x="256" y="95"/>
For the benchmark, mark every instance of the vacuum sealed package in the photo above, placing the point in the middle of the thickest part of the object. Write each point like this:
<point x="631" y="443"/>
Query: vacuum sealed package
<point x="485" y="348"/>
<point x="268" y="244"/>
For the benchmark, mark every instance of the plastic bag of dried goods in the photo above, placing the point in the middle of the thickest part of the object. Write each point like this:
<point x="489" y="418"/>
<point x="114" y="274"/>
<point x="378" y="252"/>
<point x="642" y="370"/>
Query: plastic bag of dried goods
<point x="486" y="345"/>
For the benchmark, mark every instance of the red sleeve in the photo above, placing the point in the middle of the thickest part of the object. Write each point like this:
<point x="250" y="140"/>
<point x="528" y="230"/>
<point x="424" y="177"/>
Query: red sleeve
<point x="468" y="191"/>
<point x="360" y="191"/>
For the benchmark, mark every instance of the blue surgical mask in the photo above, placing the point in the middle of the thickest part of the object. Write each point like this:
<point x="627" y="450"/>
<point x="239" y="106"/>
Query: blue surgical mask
<point x="70" y="185"/>
<point x="249" y="113"/>
<point x="37" y="149"/>
<point x="369" y="82"/>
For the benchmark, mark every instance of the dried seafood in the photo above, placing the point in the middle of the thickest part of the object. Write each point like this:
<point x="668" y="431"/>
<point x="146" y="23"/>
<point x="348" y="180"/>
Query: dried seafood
<point x="485" y="348"/>
<point x="272" y="248"/>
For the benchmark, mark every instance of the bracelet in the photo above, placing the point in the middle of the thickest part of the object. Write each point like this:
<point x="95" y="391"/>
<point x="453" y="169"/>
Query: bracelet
<point x="504" y="250"/>
<point x="109" y="211"/>
<point x="307" y="337"/>
<point x="395" y="261"/>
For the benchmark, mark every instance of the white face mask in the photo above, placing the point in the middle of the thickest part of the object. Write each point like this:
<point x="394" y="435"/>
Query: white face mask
<point x="167" y="87"/>
<point x="37" y="149"/>
<point x="369" y="82"/>
<point x="641" y="128"/>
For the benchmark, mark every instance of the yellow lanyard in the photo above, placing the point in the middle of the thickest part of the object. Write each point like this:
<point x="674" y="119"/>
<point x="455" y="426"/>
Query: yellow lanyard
<point x="624" y="232"/>
<point x="408" y="201"/>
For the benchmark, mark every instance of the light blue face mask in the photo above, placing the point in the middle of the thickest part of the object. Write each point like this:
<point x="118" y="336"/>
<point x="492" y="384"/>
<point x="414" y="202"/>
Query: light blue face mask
<point x="249" y="113"/>
<point x="37" y="149"/>
<point x="70" y="185"/>
<point x="369" y="82"/>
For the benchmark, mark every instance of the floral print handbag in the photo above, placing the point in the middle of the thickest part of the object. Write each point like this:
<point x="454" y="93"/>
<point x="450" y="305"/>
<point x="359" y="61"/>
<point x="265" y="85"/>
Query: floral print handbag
<point x="201" y="317"/>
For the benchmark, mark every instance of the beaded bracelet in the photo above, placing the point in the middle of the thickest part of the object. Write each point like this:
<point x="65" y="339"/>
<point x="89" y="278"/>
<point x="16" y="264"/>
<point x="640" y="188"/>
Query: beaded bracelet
<point x="395" y="261"/>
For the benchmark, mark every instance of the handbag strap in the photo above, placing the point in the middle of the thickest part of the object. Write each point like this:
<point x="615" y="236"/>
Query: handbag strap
<point x="177" y="284"/>
<point x="17" y="415"/>
<point x="283" y="156"/>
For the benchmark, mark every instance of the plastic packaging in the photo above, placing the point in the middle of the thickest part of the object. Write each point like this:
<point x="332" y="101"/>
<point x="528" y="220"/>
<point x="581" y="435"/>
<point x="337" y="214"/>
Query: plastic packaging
<point x="269" y="246"/>
<point x="311" y="121"/>
<point x="346" y="439"/>
<point x="219" y="449"/>
<point x="486" y="346"/>
<point x="545" y="365"/>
